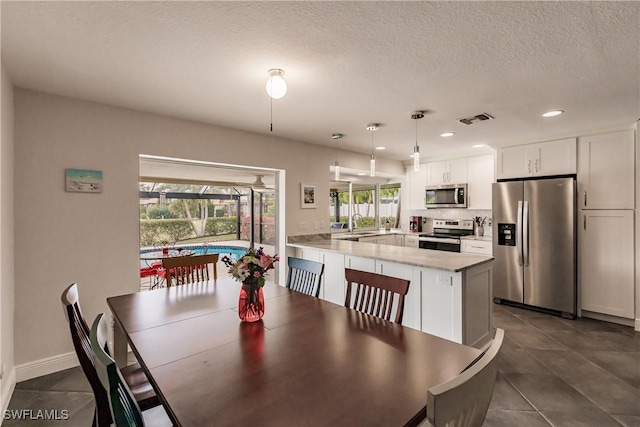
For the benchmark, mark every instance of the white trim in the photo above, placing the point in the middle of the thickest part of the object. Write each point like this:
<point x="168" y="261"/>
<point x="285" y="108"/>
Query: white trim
<point x="608" y="318"/>
<point x="9" y="384"/>
<point x="46" y="366"/>
<point x="637" y="327"/>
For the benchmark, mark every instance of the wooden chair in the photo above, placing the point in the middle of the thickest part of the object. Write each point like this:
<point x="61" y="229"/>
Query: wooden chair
<point x="133" y="374"/>
<point x="464" y="400"/>
<point x="375" y="294"/>
<point x="190" y="269"/>
<point x="304" y="276"/>
<point x="125" y="411"/>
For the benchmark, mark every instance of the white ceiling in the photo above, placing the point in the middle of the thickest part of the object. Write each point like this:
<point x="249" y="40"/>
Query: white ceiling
<point x="346" y="64"/>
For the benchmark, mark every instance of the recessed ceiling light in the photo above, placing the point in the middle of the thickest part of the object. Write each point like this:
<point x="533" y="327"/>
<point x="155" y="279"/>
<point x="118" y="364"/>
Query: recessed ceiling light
<point x="477" y="146"/>
<point x="362" y="173"/>
<point x="447" y="134"/>
<point x="553" y="113"/>
<point x="381" y="147"/>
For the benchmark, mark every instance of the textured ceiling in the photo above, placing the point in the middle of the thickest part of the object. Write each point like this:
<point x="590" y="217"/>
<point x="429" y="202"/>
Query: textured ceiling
<point x="346" y="64"/>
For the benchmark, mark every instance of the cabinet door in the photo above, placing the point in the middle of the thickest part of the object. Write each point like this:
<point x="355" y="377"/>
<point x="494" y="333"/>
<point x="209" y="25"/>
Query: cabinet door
<point x="457" y="171"/>
<point x="411" y="316"/>
<point x="606" y="171"/>
<point x="411" y="241"/>
<point x="512" y="162"/>
<point x="358" y="263"/>
<point x="333" y="281"/>
<point x="441" y="303"/>
<point x="437" y="173"/>
<point x="480" y="177"/>
<point x="556" y="158"/>
<point x="606" y="262"/>
<point x="416" y="182"/>
<point x="476" y="247"/>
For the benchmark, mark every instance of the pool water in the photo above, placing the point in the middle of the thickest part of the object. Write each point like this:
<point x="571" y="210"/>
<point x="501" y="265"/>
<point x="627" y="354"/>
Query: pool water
<point x="233" y="252"/>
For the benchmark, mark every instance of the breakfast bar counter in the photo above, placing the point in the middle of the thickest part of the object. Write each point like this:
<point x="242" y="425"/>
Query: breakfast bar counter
<point x="449" y="295"/>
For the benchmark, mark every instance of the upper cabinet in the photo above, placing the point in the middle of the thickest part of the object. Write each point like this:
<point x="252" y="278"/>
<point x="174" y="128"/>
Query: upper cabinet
<point x="447" y="172"/>
<point x="541" y="159"/>
<point x="416" y="181"/>
<point x="606" y="171"/>
<point x="480" y="176"/>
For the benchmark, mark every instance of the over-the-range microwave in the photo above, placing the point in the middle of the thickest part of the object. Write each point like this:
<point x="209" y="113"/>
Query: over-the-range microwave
<point x="446" y="196"/>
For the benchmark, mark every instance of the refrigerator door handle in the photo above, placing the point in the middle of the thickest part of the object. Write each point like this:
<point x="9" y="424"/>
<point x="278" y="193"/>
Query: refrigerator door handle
<point x="519" y="233"/>
<point x="525" y="233"/>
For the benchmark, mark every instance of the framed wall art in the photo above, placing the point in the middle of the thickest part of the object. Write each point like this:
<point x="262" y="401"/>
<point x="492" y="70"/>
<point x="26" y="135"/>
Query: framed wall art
<point x="83" y="181"/>
<point x="307" y="195"/>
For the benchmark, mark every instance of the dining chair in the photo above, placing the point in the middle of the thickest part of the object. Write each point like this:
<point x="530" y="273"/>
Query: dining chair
<point x="125" y="411"/>
<point x="463" y="401"/>
<point x="304" y="276"/>
<point x="375" y="294"/>
<point x="133" y="374"/>
<point x="190" y="269"/>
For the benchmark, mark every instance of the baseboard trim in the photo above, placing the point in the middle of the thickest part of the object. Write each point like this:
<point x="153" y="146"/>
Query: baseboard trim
<point x="611" y="319"/>
<point x="46" y="366"/>
<point x="8" y="385"/>
<point x="637" y="327"/>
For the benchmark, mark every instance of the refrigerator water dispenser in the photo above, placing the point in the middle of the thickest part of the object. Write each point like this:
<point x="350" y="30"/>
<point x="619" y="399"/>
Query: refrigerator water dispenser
<point x="506" y="234"/>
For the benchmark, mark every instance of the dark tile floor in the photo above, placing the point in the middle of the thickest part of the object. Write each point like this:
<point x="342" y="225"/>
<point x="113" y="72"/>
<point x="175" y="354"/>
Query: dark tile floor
<point x="552" y="372"/>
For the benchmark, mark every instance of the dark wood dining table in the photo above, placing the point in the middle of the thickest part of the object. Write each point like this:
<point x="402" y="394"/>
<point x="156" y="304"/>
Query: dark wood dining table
<point x="307" y="362"/>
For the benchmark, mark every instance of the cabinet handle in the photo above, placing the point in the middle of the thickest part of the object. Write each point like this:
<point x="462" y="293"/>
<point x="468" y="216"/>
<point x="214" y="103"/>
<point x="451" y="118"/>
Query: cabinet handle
<point x="449" y="176"/>
<point x="584" y="221"/>
<point x="529" y="166"/>
<point x="535" y="165"/>
<point x="585" y="198"/>
<point x="444" y="177"/>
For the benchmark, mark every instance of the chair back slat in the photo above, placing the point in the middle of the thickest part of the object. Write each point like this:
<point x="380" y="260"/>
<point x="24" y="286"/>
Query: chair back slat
<point x="190" y="269"/>
<point x="124" y="408"/>
<point x="464" y="400"/>
<point x="304" y="276"/>
<point x="81" y="343"/>
<point x="376" y="294"/>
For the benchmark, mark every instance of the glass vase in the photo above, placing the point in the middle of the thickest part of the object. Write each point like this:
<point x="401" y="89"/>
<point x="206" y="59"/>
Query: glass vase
<point x="251" y="302"/>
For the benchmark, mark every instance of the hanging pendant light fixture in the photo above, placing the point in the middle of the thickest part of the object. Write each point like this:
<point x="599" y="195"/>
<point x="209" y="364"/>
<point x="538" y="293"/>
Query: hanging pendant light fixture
<point x="258" y="185"/>
<point x="276" y="88"/>
<point x="416" y="149"/>
<point x="372" y="127"/>
<point x="336" y="137"/>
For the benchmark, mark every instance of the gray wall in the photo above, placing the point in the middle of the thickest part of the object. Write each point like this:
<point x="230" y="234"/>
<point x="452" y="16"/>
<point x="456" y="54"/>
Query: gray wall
<point x="6" y="237"/>
<point x="92" y="239"/>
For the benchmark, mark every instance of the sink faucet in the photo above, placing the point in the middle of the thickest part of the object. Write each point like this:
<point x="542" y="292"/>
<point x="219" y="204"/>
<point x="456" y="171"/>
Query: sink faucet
<point x="353" y="219"/>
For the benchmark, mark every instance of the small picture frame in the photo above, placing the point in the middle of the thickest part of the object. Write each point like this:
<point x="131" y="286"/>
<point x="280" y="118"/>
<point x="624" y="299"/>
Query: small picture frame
<point x="307" y="195"/>
<point x="83" y="181"/>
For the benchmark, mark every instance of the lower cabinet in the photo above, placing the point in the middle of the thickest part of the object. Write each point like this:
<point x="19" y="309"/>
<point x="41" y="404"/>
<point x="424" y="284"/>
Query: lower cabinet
<point x="483" y="247"/>
<point x="606" y="262"/>
<point x="452" y="305"/>
<point x="411" y="241"/>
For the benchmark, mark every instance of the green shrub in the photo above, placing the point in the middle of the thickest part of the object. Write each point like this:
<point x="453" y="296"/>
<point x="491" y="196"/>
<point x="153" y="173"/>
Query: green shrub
<point x="156" y="212"/>
<point x="149" y="233"/>
<point x="217" y="226"/>
<point x="177" y="229"/>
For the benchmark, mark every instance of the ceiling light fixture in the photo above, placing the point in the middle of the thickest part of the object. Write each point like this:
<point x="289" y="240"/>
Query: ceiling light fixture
<point x="416" y="115"/>
<point x="276" y="88"/>
<point x="447" y="134"/>
<point x="553" y="113"/>
<point x="477" y="146"/>
<point x="381" y="147"/>
<point x="336" y="137"/>
<point x="258" y="185"/>
<point x="372" y="127"/>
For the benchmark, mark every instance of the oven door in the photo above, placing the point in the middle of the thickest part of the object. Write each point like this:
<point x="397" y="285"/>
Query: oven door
<point x="439" y="244"/>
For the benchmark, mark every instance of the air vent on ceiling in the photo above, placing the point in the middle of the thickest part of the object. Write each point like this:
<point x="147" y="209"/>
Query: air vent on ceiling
<point x="478" y="118"/>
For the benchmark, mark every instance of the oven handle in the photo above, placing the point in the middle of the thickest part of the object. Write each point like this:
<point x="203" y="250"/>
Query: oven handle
<point x="439" y="240"/>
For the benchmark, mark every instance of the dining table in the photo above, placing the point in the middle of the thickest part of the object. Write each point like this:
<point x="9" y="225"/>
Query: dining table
<point x="306" y="362"/>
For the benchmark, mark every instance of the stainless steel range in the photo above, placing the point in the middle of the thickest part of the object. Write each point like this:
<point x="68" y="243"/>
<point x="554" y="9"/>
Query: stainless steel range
<point x="446" y="234"/>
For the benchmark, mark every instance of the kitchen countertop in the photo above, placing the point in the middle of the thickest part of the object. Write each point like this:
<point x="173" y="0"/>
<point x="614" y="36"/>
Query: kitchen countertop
<point x="440" y="260"/>
<point x="368" y="233"/>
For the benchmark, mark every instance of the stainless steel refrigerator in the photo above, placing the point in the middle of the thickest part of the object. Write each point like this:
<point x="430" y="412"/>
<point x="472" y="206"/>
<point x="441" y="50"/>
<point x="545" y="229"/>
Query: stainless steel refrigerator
<point x="534" y="243"/>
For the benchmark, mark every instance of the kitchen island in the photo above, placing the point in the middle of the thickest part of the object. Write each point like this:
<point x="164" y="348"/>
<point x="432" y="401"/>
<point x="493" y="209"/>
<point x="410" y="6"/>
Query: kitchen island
<point x="449" y="295"/>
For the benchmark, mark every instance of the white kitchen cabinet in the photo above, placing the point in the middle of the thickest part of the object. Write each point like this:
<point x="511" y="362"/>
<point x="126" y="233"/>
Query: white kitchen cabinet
<point x="483" y="247"/>
<point x="333" y="283"/>
<point x="416" y="182"/>
<point x="606" y="171"/>
<point x="411" y="316"/>
<point x="606" y="262"/>
<point x="541" y="159"/>
<point x="398" y="239"/>
<point x="411" y="241"/>
<point x="357" y="263"/>
<point x="447" y="172"/>
<point x="480" y="176"/>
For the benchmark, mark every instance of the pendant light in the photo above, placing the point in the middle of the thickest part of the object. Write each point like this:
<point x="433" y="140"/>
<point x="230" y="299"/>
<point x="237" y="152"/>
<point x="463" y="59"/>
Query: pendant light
<point x="372" y="127"/>
<point x="276" y="88"/>
<point x="336" y="137"/>
<point x="416" y="149"/>
<point x="258" y="185"/>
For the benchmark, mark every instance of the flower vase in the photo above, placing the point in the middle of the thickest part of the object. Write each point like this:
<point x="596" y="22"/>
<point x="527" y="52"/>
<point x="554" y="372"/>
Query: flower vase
<point x="251" y="302"/>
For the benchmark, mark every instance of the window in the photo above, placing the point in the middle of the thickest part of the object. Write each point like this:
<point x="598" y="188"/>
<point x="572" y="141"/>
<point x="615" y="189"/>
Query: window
<point x="363" y="203"/>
